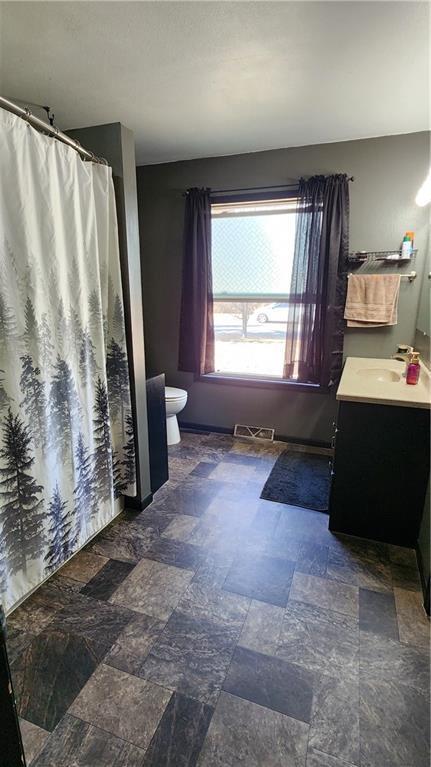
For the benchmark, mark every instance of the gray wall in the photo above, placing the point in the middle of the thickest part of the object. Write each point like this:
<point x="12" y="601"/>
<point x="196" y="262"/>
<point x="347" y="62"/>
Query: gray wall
<point x="388" y="171"/>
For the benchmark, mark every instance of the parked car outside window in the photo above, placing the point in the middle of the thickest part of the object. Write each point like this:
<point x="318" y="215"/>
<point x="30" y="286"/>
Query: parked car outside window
<point x="270" y="313"/>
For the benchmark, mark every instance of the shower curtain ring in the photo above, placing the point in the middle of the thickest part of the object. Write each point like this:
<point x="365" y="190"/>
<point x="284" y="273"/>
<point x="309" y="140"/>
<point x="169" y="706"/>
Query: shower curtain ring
<point x="27" y="114"/>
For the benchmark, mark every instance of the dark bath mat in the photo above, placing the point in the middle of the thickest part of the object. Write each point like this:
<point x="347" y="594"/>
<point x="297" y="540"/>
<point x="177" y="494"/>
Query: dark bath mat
<point x="299" y="479"/>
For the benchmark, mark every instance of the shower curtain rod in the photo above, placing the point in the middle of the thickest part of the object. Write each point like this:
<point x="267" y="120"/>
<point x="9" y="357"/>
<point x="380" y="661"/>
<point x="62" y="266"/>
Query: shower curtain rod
<point x="41" y="125"/>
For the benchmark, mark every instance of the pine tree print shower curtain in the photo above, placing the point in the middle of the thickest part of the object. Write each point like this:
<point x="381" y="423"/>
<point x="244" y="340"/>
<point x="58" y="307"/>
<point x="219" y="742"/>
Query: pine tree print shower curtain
<point x="66" y="430"/>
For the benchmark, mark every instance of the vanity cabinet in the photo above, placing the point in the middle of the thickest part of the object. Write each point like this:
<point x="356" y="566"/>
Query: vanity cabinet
<point x="380" y="471"/>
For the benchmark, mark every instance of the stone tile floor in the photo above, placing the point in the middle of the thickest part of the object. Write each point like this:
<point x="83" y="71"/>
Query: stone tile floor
<point x="216" y="629"/>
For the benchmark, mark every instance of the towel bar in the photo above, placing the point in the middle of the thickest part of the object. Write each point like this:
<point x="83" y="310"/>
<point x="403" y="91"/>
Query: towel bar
<point x="410" y="276"/>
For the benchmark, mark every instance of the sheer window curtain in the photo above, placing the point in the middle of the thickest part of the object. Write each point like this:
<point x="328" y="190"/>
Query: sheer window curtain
<point x="196" y="348"/>
<point x="315" y="331"/>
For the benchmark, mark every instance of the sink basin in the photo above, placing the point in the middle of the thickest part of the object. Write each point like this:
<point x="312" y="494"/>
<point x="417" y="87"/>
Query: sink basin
<point x="383" y="375"/>
<point x="381" y="382"/>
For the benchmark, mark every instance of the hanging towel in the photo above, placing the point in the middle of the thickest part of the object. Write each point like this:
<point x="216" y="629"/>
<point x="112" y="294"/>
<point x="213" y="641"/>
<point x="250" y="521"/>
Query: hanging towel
<point x="372" y="300"/>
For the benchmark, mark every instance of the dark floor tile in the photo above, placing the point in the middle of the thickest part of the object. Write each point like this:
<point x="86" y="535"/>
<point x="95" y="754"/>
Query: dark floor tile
<point x="64" y="583"/>
<point x="84" y="565"/>
<point x="134" y="643"/>
<point x="365" y="573"/>
<point x="155" y="519"/>
<point x="335" y="716"/>
<point x="50" y="673"/>
<point x="312" y="559"/>
<point x="243" y="733"/>
<point x="286" y="547"/>
<point x="262" y="627"/>
<point x="192" y="656"/>
<point x="180" y="466"/>
<point x="219" y="531"/>
<point x="203" y="469"/>
<point x="125" y="540"/>
<point x="360" y="562"/>
<point x="261" y="530"/>
<point x="181" y="527"/>
<point x="389" y="660"/>
<point x="316" y="758"/>
<point x="214" y="569"/>
<point x="233" y="514"/>
<point x="238" y="473"/>
<point x="267" y="517"/>
<point x="400" y="555"/>
<point x="210" y="454"/>
<point x="219" y="441"/>
<point x="329" y="594"/>
<point x="406" y="577"/>
<point x="176" y="553"/>
<point x="413" y="622"/>
<point x="92" y="619"/>
<point x="33" y="739"/>
<point x="394" y="722"/>
<point x="271" y="682"/>
<point x="153" y="588"/>
<point x="17" y="641"/>
<point x="351" y="548"/>
<point x="243" y="459"/>
<point x="39" y="609"/>
<point x="75" y="743"/>
<point x="239" y="492"/>
<point x="377" y="613"/>
<point x="178" y="739"/>
<point x="214" y="604"/>
<point x="191" y="496"/>
<point x="304" y="524"/>
<point x="319" y="639"/>
<point x="124" y="705"/>
<point x="260" y="577"/>
<point x="107" y="579"/>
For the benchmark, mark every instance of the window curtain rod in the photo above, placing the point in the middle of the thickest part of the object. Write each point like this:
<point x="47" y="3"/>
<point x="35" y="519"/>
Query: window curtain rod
<point x="241" y="190"/>
<point x="51" y="130"/>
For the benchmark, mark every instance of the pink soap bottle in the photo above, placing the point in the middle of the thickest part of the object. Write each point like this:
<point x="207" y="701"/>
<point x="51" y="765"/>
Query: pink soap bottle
<point x="413" y="369"/>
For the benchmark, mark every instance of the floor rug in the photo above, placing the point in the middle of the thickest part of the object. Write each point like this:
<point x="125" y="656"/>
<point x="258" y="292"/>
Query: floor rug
<point x="299" y="479"/>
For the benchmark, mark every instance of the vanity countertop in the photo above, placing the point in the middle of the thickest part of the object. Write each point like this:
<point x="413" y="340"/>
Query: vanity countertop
<point x="380" y="382"/>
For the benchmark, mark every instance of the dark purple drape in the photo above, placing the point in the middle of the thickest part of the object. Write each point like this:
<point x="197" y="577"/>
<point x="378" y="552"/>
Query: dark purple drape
<point x="315" y="331"/>
<point x="196" y="350"/>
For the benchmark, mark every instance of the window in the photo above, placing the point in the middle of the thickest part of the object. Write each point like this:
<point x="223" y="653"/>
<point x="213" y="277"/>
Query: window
<point x="252" y="258"/>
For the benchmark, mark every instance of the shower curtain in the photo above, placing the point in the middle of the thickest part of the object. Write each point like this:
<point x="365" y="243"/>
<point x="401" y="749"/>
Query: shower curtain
<point x="66" y="430"/>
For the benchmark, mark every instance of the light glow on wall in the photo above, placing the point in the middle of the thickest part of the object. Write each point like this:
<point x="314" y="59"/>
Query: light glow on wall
<point x="423" y="196"/>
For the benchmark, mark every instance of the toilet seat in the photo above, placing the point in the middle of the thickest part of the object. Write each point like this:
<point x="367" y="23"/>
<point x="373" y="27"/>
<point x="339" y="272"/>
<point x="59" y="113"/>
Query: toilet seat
<point x="171" y="393"/>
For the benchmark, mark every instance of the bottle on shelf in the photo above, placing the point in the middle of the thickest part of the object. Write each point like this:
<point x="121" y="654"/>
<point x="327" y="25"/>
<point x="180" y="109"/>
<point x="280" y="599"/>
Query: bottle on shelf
<point x="406" y="248"/>
<point x="407" y="245"/>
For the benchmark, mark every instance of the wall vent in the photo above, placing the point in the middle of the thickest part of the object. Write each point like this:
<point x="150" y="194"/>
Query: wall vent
<point x="253" y="432"/>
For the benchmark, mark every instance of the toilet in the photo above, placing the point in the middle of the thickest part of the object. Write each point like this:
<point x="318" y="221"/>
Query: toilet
<point x="175" y="400"/>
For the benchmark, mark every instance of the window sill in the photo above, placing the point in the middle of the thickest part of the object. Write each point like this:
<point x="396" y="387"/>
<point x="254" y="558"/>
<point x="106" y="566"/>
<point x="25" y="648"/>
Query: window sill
<point x="261" y="383"/>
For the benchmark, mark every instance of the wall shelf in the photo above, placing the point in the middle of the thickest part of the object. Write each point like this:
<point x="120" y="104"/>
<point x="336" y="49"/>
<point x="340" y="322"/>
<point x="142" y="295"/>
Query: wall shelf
<point x="392" y="257"/>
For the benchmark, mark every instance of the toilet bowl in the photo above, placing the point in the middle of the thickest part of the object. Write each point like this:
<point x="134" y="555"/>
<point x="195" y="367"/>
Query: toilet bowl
<point x="175" y="400"/>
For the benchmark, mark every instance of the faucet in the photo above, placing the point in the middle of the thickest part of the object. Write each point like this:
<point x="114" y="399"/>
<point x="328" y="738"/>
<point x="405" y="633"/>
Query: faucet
<point x="403" y="352"/>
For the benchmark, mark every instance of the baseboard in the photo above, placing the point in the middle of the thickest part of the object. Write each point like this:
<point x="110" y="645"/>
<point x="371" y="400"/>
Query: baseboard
<point x="137" y="504"/>
<point x="198" y="428"/>
<point x="425" y="580"/>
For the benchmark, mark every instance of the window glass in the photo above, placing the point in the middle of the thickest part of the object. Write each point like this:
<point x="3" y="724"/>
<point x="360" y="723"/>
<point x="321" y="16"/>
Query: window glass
<point x="252" y="258"/>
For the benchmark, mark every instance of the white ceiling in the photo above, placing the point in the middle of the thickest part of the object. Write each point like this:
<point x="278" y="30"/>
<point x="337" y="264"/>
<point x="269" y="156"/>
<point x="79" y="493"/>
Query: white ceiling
<point x="198" y="79"/>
